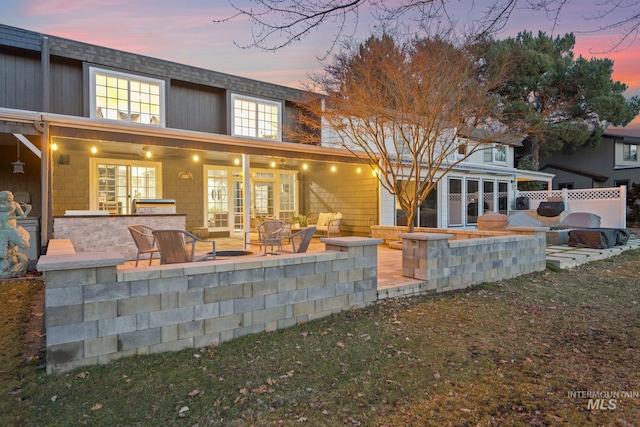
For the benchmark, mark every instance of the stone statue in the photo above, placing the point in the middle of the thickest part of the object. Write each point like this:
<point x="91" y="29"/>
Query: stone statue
<point x="12" y="236"/>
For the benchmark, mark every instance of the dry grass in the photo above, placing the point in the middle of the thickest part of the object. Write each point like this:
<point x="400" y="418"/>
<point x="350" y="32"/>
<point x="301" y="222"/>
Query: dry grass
<point x="507" y="353"/>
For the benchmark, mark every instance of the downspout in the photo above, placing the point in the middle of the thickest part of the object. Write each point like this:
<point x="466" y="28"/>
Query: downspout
<point x="42" y="126"/>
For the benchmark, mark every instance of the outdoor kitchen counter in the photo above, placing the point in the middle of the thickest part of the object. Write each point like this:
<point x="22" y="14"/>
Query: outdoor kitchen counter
<point x="98" y="233"/>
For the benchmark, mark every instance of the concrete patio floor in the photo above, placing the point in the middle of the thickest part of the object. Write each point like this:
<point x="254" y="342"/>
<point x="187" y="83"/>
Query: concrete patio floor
<point x="390" y="260"/>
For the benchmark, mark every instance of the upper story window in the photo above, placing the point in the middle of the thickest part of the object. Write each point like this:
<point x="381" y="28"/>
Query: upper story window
<point x="630" y="152"/>
<point x="497" y="153"/>
<point x="256" y="118"/>
<point x="126" y="97"/>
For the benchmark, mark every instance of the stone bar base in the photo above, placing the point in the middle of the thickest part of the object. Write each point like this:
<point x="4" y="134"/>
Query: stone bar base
<point x="98" y="233"/>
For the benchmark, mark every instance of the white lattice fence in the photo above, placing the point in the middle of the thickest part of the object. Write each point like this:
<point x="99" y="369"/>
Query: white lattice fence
<point x="608" y="203"/>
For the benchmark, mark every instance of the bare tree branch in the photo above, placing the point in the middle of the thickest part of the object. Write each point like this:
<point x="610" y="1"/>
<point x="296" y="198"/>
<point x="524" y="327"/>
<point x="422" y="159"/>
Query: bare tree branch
<point x="394" y="107"/>
<point x="276" y="24"/>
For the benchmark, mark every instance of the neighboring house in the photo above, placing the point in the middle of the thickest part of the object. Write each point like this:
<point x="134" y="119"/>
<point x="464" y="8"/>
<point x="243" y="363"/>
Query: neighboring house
<point x="84" y="127"/>
<point x="614" y="162"/>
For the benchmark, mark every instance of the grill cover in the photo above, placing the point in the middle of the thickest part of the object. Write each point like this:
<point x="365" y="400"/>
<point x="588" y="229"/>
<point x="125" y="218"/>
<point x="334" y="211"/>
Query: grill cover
<point x="522" y="203"/>
<point x="550" y="209"/>
<point x="598" y="238"/>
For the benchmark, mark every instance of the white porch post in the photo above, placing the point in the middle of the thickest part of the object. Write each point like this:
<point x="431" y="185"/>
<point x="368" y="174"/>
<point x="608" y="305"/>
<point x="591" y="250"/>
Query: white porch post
<point x="246" y="202"/>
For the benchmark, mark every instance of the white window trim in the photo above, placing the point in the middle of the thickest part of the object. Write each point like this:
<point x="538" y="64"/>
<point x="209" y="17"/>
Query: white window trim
<point x="92" y="92"/>
<point x="93" y="175"/>
<point x="278" y="104"/>
<point x="494" y="148"/>
<point x="631" y="160"/>
<point x="231" y="178"/>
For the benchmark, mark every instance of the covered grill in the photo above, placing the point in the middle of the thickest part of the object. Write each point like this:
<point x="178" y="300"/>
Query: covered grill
<point x="550" y="209"/>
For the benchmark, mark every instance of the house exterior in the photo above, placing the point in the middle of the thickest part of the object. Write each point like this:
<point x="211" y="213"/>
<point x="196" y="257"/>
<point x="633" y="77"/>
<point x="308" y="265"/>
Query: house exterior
<point x="614" y="162"/>
<point x="89" y="128"/>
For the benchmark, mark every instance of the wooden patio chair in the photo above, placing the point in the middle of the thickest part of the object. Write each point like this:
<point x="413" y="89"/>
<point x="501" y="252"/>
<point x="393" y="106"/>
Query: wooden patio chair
<point x="300" y="240"/>
<point x="177" y="246"/>
<point x="144" y="239"/>
<point x="270" y="234"/>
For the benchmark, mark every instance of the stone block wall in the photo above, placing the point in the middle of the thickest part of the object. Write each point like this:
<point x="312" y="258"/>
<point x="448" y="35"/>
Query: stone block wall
<point x="446" y="264"/>
<point x="390" y="233"/>
<point x="96" y="312"/>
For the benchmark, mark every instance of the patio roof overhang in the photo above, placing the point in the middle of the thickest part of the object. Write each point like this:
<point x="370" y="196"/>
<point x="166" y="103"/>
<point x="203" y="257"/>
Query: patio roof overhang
<point x="127" y="138"/>
<point x="525" y="175"/>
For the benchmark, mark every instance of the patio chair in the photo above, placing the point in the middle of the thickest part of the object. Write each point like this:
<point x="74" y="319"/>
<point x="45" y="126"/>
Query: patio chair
<point x="269" y="235"/>
<point x="144" y="239"/>
<point x="177" y="246"/>
<point x="327" y="224"/>
<point x="300" y="240"/>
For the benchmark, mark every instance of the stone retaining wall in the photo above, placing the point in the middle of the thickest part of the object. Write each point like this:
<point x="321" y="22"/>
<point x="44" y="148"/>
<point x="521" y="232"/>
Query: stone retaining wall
<point x="96" y="312"/>
<point x="446" y="264"/>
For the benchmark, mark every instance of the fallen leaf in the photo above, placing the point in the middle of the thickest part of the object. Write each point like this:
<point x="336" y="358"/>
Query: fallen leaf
<point x="183" y="411"/>
<point x="82" y="375"/>
<point x="263" y="389"/>
<point x="244" y="390"/>
<point x="340" y="344"/>
<point x="270" y="381"/>
<point x="96" y="407"/>
<point x="195" y="392"/>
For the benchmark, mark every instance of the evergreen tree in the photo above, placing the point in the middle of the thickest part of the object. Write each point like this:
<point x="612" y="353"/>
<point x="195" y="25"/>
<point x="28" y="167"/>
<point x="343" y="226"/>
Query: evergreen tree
<point x="560" y="102"/>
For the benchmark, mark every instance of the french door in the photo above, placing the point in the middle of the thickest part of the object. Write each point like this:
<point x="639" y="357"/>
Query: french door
<point x="117" y="183"/>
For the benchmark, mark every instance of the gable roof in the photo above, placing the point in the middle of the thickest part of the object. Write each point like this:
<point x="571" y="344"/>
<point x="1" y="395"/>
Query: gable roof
<point x="629" y="134"/>
<point x="593" y="175"/>
<point x="103" y="56"/>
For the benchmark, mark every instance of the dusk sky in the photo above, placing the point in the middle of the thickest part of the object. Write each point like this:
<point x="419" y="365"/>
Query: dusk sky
<point x="184" y="32"/>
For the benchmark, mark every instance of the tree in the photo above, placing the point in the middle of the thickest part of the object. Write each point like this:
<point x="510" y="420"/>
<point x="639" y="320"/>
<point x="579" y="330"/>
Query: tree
<point x="562" y="103"/>
<point x="408" y="109"/>
<point x="279" y="23"/>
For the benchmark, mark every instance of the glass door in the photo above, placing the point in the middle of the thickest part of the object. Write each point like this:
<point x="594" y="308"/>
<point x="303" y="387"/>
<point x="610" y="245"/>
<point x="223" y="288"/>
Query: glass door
<point x="238" y="205"/>
<point x="119" y="183"/>
<point x="217" y="199"/>
<point x="263" y="204"/>
<point x="503" y="197"/>
<point x="455" y="201"/>
<point x="488" y="195"/>
<point x="473" y="201"/>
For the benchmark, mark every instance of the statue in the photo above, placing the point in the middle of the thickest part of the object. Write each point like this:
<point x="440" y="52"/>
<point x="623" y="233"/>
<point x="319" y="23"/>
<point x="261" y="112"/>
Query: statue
<point x="12" y="236"/>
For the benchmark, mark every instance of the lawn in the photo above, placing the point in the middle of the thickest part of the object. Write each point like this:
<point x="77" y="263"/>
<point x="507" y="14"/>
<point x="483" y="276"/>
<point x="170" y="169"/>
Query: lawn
<point x="520" y="352"/>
